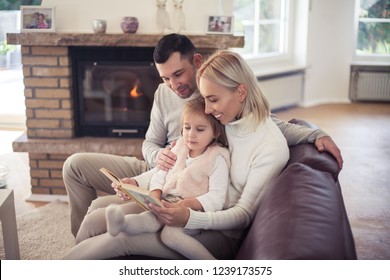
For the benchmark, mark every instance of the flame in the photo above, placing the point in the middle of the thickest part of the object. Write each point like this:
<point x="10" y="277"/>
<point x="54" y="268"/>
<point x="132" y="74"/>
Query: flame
<point x="134" y="93"/>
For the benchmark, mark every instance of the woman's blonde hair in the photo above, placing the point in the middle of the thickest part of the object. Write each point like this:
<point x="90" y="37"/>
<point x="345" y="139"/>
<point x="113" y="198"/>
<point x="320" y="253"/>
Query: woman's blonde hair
<point x="230" y="70"/>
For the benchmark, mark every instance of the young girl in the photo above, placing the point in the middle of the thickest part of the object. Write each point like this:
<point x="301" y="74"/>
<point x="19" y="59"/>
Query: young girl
<point x="199" y="180"/>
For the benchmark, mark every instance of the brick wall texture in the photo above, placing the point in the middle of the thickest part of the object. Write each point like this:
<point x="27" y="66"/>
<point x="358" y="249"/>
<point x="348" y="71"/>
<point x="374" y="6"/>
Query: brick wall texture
<point x="47" y="81"/>
<point x="49" y="111"/>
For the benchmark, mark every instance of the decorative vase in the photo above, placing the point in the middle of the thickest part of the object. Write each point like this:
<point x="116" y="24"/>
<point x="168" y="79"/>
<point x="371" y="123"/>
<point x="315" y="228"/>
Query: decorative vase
<point x="162" y="16"/>
<point x="99" y="26"/>
<point x="178" y="18"/>
<point x="129" y="24"/>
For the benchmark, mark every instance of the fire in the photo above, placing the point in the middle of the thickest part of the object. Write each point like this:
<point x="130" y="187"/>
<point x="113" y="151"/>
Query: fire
<point x="134" y="93"/>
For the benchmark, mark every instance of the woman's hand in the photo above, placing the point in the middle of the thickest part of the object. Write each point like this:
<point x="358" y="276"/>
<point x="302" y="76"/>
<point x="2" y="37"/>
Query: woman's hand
<point x="120" y="193"/>
<point x="166" y="158"/>
<point x="171" y="214"/>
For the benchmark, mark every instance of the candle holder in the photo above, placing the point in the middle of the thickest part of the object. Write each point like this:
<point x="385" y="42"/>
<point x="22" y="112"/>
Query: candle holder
<point x="99" y="26"/>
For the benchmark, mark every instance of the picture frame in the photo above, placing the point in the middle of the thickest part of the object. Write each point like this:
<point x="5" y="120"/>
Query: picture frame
<point x="37" y="19"/>
<point x="220" y="24"/>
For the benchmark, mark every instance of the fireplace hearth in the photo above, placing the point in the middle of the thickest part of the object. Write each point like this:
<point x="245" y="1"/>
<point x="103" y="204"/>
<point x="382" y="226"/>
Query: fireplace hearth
<point x="113" y="90"/>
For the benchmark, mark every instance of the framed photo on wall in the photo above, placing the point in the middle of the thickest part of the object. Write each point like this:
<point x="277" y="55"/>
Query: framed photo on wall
<point x="220" y="24"/>
<point x="37" y="19"/>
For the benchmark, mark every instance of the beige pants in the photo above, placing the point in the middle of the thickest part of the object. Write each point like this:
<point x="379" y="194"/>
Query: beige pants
<point x="93" y="241"/>
<point x="83" y="180"/>
<point x="175" y="238"/>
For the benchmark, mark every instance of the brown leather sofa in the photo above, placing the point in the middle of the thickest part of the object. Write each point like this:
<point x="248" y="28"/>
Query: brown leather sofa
<point x="303" y="214"/>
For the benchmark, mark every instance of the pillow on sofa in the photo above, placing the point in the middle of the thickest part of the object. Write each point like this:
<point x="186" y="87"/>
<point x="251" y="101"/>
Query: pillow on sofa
<point x="301" y="217"/>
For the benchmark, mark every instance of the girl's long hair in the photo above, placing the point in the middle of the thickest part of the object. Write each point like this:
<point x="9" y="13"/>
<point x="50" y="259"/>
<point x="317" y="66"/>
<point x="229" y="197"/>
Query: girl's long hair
<point x="197" y="106"/>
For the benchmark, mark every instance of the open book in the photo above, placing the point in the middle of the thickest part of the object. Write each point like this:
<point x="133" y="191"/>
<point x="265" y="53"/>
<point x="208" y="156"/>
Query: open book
<point x="141" y="196"/>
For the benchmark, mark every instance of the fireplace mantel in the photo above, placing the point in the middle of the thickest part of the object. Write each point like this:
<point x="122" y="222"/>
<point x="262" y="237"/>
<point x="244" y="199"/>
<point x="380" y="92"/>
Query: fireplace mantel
<point x="205" y="41"/>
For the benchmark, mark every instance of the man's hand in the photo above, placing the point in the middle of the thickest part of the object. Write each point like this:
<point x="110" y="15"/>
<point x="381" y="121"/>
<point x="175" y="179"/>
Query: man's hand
<point x="173" y="215"/>
<point x="166" y="158"/>
<point x="326" y="144"/>
<point x="120" y="193"/>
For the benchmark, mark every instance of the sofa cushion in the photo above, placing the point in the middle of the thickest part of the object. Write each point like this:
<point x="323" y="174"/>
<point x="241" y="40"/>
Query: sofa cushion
<point x="302" y="216"/>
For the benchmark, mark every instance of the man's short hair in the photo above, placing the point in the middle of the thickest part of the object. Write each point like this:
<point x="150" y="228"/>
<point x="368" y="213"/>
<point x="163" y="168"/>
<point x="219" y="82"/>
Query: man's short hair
<point x="173" y="43"/>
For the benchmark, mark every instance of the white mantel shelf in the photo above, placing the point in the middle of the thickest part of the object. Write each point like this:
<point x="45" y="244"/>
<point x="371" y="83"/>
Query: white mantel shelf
<point x="204" y="41"/>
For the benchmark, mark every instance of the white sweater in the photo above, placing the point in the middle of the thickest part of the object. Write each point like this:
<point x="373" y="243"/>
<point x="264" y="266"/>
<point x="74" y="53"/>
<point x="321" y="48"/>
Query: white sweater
<point x="257" y="158"/>
<point x="215" y="194"/>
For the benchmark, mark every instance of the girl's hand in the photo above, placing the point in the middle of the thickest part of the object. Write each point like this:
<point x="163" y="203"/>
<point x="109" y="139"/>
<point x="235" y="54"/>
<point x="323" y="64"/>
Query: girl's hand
<point x="171" y="214"/>
<point x="120" y="193"/>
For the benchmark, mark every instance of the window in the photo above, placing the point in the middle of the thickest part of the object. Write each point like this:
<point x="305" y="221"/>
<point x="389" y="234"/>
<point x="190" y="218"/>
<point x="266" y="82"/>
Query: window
<point x="265" y="25"/>
<point x="373" y="36"/>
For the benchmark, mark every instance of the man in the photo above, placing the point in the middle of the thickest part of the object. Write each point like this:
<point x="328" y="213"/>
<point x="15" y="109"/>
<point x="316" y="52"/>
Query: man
<point x="177" y="62"/>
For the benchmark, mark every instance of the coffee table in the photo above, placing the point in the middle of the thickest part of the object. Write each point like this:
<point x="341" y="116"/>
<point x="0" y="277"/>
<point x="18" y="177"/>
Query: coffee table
<point x="8" y="224"/>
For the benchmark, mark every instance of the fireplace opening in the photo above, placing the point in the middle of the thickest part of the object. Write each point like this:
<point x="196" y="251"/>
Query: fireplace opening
<point x="113" y="90"/>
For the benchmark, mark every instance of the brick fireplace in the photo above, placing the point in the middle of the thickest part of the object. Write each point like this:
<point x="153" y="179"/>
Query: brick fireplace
<point x="50" y="136"/>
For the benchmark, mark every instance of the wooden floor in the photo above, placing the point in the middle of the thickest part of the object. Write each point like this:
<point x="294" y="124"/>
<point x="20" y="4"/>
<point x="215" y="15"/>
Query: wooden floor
<point x="362" y="131"/>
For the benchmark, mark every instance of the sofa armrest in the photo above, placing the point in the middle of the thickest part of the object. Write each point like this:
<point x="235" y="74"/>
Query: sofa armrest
<point x="309" y="155"/>
<point x="302" y="216"/>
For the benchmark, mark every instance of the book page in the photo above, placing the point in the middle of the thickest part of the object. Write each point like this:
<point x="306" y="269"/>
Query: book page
<point x="141" y="196"/>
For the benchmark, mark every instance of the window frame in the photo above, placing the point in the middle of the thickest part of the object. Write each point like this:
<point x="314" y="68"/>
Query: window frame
<point x="295" y="39"/>
<point x="385" y="58"/>
<point x="285" y="22"/>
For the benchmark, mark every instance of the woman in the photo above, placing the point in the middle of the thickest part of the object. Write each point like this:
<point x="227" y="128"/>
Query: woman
<point x="258" y="153"/>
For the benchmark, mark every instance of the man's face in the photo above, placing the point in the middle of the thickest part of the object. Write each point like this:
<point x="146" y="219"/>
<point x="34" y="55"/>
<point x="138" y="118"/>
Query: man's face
<point x="179" y="74"/>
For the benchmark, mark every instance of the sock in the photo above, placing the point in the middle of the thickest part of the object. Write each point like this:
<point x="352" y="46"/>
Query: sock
<point x="115" y="219"/>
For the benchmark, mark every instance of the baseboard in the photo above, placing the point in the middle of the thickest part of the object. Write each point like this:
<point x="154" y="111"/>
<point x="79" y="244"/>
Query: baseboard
<point x="47" y="198"/>
<point x="307" y="104"/>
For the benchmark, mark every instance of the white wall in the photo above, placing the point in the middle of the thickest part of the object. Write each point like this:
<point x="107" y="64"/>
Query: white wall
<point x="329" y="51"/>
<point x="76" y="15"/>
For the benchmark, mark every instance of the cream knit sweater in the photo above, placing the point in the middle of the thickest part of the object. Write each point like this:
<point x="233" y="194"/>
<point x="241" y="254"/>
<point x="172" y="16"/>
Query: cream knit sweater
<point x="257" y="158"/>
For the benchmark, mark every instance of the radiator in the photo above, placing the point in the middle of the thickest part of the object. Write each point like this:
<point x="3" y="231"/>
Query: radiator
<point x="370" y="86"/>
<point x="283" y="90"/>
